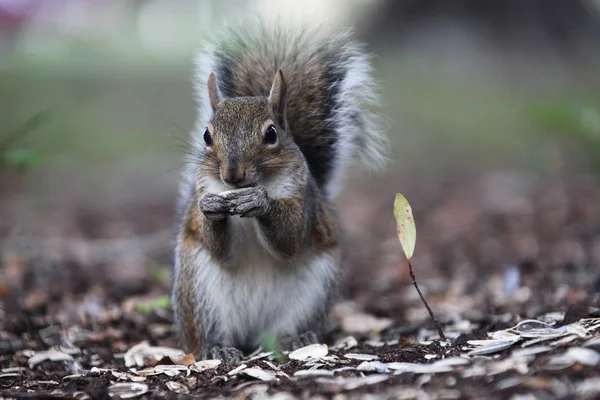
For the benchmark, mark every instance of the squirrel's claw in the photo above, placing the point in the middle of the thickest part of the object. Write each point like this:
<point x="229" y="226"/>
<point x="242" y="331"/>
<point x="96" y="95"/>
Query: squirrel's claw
<point x="214" y="206"/>
<point x="248" y="202"/>
<point x="229" y="355"/>
<point x="252" y="213"/>
<point x="292" y="343"/>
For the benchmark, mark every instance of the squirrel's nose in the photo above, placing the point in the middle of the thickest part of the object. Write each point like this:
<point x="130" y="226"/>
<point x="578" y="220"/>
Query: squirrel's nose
<point x="233" y="177"/>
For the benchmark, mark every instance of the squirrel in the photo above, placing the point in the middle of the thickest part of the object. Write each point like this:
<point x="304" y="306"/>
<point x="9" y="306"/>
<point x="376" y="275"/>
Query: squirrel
<point x="282" y="112"/>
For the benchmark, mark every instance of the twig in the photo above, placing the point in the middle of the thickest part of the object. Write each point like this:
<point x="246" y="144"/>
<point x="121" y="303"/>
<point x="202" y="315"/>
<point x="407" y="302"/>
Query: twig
<point x="437" y="324"/>
<point x="28" y="126"/>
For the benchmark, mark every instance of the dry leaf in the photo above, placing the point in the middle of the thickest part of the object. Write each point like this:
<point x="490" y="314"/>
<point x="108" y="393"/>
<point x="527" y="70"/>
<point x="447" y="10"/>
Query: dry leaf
<point x="257" y="373"/>
<point x="127" y="390"/>
<point x="49" y="355"/>
<point x="204" y="365"/>
<point x="177" y="387"/>
<point x="311" y="352"/>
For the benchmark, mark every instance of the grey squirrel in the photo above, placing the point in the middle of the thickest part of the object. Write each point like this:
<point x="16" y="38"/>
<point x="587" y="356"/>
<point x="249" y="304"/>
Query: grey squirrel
<point x="282" y="112"/>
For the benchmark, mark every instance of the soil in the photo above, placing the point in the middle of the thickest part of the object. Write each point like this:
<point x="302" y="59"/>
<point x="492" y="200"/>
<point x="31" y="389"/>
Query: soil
<point x="493" y="249"/>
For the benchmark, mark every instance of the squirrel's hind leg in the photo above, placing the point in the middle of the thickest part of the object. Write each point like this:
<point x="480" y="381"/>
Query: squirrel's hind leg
<point x="229" y="355"/>
<point x="291" y="343"/>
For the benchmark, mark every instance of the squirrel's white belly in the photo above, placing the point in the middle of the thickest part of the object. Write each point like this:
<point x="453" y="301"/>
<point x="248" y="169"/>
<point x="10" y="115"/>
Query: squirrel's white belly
<point x="261" y="294"/>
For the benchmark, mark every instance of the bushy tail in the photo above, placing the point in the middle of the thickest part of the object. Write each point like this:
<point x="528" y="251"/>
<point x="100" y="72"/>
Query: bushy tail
<point x="331" y="92"/>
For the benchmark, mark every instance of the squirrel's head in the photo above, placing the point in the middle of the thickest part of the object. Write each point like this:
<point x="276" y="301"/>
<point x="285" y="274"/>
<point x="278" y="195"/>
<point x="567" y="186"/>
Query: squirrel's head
<point x="246" y="139"/>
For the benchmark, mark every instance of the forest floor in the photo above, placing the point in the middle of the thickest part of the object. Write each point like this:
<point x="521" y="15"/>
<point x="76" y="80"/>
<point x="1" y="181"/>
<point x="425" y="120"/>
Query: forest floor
<point x="509" y="262"/>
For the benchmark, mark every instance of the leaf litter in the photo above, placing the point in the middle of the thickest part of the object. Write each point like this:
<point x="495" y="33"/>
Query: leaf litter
<point x="515" y="330"/>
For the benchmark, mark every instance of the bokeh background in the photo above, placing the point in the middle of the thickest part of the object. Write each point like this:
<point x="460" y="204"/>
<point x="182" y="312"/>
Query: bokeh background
<point x="492" y="109"/>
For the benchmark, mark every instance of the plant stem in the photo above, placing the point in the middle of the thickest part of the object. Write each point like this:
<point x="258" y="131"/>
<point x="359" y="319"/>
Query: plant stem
<point x="437" y="324"/>
<point x="29" y="125"/>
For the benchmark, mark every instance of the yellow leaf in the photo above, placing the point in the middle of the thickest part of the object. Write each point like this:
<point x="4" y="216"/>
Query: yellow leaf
<point x="407" y="231"/>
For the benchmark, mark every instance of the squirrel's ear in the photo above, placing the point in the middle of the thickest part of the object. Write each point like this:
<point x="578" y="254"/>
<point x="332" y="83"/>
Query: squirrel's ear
<point x="277" y="96"/>
<point x="213" y="91"/>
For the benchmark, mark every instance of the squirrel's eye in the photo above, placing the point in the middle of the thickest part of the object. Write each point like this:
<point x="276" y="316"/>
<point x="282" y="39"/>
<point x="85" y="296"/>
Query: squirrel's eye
<point x="207" y="138"/>
<point x="271" y="135"/>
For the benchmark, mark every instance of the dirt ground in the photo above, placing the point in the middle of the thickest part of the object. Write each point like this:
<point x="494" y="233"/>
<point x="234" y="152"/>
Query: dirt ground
<point x="84" y="313"/>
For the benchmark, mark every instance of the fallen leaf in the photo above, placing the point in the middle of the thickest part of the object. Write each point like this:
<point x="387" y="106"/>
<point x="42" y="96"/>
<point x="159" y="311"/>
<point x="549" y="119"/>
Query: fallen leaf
<point x="373" y="366"/>
<point x="142" y="354"/>
<point x="581" y="355"/>
<point x="358" y="322"/>
<point x="177" y="387"/>
<point x="313" y="351"/>
<point x="257" y="373"/>
<point x="237" y="370"/>
<point x="204" y="365"/>
<point x="48" y="355"/>
<point x="304" y="373"/>
<point x="361" y="357"/>
<point x="489" y="346"/>
<point x="127" y="377"/>
<point x="127" y="390"/>
<point x="183" y="359"/>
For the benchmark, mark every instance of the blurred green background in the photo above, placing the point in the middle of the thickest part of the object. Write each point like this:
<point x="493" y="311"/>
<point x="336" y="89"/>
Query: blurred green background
<point x="96" y="95"/>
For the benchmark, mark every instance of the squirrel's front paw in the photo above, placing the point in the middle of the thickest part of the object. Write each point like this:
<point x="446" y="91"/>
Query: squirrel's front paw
<point x="247" y="202"/>
<point x="214" y="206"/>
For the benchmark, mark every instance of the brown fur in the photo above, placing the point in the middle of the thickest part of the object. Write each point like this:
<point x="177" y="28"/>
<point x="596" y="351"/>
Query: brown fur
<point x="326" y="235"/>
<point x="299" y="90"/>
<point x="305" y="97"/>
<point x="237" y="147"/>
<point x="238" y="156"/>
<point x="184" y="295"/>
